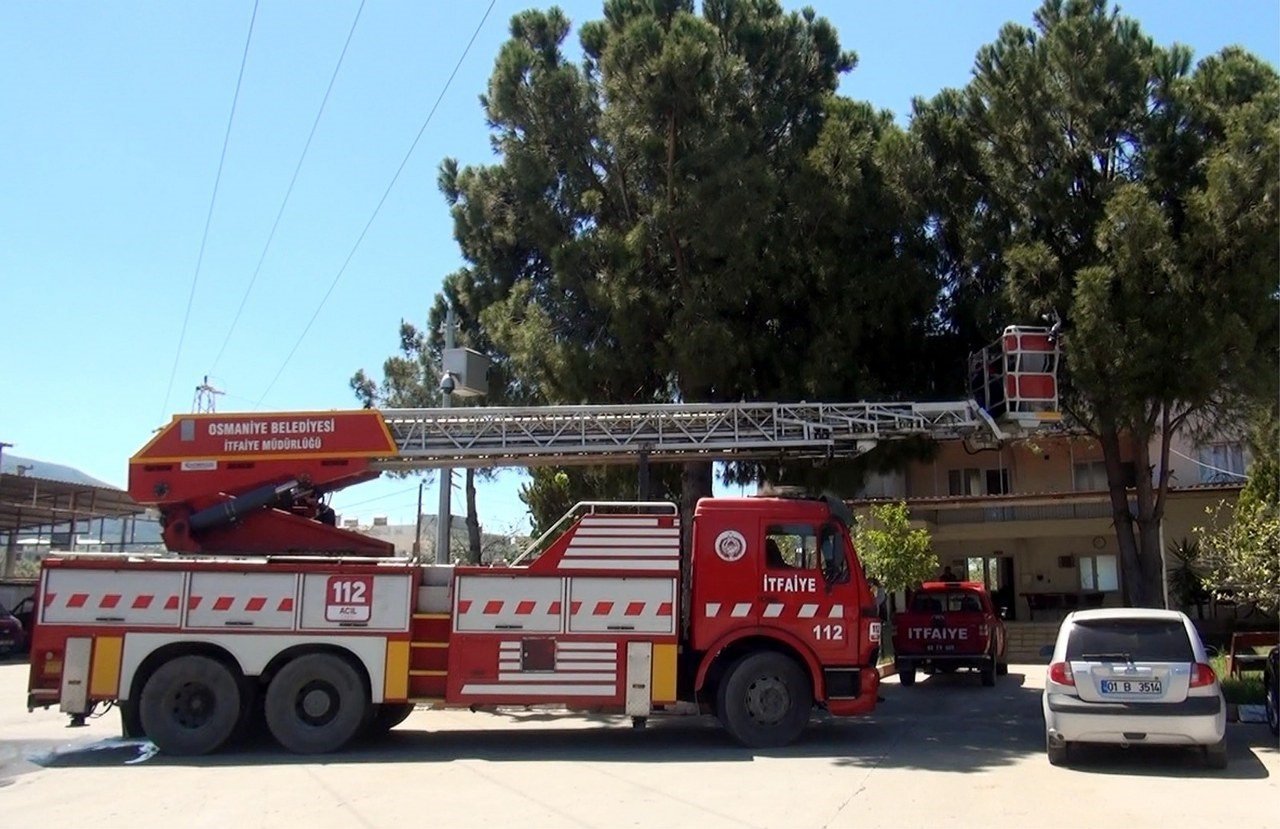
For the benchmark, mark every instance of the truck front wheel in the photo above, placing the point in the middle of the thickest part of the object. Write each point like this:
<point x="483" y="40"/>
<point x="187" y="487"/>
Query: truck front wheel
<point x="906" y="674"/>
<point x="316" y="703"/>
<point x="765" y="700"/>
<point x="190" y="705"/>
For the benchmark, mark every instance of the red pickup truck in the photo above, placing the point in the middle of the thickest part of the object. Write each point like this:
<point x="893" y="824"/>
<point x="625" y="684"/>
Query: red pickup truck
<point x="949" y="625"/>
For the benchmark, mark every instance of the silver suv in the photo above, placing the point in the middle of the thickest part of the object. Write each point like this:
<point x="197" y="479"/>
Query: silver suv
<point x="1132" y="676"/>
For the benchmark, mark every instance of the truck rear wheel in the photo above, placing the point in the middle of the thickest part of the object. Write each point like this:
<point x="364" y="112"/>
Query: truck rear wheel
<point x="316" y="703"/>
<point x="387" y="716"/>
<point x="988" y="671"/>
<point x="765" y="700"/>
<point x="190" y="705"/>
<point x="906" y="674"/>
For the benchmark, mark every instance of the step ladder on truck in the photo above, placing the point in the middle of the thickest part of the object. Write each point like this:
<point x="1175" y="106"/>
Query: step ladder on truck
<point x="265" y="610"/>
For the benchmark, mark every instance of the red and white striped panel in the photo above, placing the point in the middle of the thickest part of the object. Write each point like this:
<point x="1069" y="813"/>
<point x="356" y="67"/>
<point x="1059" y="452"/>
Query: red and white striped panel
<point x="251" y="600"/>
<point x="623" y="542"/>
<point x="605" y="605"/>
<point x="774" y="610"/>
<point x="489" y="603"/>
<point x="112" y="597"/>
<point x="582" y="669"/>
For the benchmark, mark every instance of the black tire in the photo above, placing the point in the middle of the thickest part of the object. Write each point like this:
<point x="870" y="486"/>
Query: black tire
<point x="1273" y="714"/>
<point x="988" y="671"/>
<point x="765" y="700"/>
<point x="1059" y="753"/>
<point x="387" y="716"/>
<point x="190" y="705"/>
<point x="906" y="674"/>
<point x="316" y="704"/>
<point x="1215" y="756"/>
<point x="130" y="719"/>
<point x="1002" y="669"/>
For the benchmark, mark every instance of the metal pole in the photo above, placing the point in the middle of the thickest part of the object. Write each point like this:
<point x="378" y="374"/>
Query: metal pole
<point x="446" y="473"/>
<point x="417" y="534"/>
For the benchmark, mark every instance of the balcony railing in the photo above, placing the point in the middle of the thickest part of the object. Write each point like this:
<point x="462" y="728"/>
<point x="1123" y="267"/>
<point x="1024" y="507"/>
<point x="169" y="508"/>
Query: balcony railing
<point x="1013" y="512"/>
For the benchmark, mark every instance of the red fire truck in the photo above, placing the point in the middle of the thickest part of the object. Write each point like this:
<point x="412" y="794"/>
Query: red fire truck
<point x="265" y="610"/>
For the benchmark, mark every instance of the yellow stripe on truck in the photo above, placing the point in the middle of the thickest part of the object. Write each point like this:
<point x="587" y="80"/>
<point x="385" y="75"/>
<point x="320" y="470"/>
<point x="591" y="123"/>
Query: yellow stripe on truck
<point x="395" y="683"/>
<point x="664" y="673"/>
<point x="104" y="680"/>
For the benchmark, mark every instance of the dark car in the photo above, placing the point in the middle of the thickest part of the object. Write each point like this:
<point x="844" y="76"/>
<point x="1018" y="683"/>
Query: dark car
<point x="13" y="636"/>
<point x="1271" y="683"/>
<point x="25" y="612"/>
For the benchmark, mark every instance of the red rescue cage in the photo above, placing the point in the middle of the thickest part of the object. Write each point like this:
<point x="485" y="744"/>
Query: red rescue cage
<point x="1015" y="379"/>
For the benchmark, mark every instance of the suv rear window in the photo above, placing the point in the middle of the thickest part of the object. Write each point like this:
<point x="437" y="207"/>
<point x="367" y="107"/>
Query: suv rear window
<point x="1137" y="640"/>
<point x="956" y="601"/>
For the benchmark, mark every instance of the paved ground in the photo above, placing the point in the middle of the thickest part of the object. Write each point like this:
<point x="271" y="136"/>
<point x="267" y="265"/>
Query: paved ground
<point x="944" y="753"/>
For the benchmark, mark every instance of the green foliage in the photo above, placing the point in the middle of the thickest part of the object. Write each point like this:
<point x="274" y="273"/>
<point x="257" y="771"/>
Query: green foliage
<point x="1186" y="577"/>
<point x="552" y="491"/>
<point x="1242" y="543"/>
<point x="891" y="550"/>
<point x="690" y="214"/>
<point x="1087" y="173"/>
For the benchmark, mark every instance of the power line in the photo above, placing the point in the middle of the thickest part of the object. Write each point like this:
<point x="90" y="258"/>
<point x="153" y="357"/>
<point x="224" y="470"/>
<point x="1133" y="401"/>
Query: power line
<point x="208" y="219"/>
<point x="403" y="162"/>
<point x="289" y="191"/>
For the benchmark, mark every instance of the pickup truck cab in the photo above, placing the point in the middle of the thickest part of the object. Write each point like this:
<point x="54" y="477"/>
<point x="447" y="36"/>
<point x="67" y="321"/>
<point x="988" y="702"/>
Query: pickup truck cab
<point x="949" y="625"/>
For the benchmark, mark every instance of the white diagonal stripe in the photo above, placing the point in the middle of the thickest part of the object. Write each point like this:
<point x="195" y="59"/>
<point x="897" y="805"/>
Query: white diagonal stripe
<point x="741" y="610"/>
<point x="837" y="611"/>
<point x="808" y="611"/>
<point x="712" y="609"/>
<point x="772" y="611"/>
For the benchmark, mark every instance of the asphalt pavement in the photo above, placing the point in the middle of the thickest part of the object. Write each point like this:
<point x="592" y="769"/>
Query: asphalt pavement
<point x="947" y="752"/>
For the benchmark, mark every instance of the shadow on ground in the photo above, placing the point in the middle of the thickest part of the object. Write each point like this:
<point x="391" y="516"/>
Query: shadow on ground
<point x="944" y="723"/>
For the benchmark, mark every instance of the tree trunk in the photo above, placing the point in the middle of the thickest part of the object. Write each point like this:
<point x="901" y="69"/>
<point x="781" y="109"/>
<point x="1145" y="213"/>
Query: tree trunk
<point x="473" y="519"/>
<point x="1141" y="568"/>
<point x="1150" y="560"/>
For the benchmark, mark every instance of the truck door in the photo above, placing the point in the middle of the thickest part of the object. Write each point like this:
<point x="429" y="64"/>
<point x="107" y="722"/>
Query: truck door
<point x="807" y="588"/>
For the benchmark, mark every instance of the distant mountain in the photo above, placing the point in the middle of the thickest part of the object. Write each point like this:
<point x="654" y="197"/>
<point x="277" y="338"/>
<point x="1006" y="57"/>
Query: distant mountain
<point x="49" y="471"/>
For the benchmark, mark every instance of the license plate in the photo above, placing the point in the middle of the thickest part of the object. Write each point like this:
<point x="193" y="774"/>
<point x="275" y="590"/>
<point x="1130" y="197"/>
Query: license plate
<point x="1131" y="686"/>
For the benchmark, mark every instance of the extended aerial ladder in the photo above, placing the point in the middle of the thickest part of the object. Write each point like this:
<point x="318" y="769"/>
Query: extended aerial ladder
<point x="250" y="483"/>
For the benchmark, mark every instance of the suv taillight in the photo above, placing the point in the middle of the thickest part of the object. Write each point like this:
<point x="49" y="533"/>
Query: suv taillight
<point x="1060" y="672"/>
<point x="1202" y="675"/>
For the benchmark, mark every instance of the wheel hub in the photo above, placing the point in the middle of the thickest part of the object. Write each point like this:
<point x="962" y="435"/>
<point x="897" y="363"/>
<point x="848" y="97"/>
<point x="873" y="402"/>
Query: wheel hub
<point x="317" y="703"/>
<point x="192" y="705"/>
<point x="768" y="700"/>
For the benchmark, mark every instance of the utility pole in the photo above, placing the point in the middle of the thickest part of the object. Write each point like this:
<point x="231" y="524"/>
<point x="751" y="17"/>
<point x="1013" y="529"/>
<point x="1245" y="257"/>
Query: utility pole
<point x="446" y="473"/>
<point x="417" y="534"/>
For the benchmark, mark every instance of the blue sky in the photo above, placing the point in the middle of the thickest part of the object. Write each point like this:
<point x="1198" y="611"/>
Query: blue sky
<point x="114" y="115"/>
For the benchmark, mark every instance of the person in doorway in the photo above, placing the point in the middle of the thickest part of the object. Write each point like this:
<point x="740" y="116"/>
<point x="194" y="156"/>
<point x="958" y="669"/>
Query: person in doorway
<point x="881" y="597"/>
<point x="947" y="575"/>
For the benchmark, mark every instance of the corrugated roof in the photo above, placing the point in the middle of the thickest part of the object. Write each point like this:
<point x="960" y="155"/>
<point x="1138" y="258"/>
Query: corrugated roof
<point x="27" y="501"/>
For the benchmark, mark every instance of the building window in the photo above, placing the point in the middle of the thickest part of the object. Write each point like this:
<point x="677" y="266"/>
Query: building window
<point x="791" y="545"/>
<point x="1099" y="573"/>
<point x="978" y="482"/>
<point x="1091" y="476"/>
<point x="1222" y="463"/>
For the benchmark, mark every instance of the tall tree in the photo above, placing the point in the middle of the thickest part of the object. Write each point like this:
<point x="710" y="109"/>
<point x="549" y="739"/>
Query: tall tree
<point x="690" y="214"/>
<point x="1094" y="175"/>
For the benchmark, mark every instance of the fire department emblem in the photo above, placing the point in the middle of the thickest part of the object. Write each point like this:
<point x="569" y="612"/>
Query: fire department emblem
<point x="730" y="545"/>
